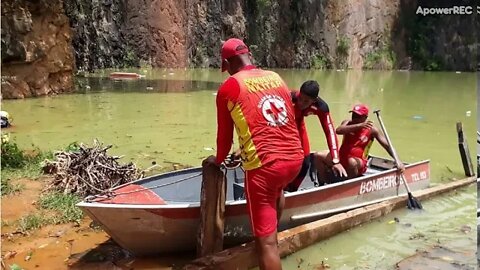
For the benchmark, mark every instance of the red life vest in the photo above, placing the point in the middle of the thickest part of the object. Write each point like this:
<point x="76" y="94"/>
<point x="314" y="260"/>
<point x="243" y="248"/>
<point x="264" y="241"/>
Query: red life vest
<point x="264" y="119"/>
<point x="356" y="144"/>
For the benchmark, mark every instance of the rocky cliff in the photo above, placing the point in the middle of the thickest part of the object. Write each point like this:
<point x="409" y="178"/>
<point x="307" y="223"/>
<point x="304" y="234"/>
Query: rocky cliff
<point x="438" y="42"/>
<point x="100" y="29"/>
<point x="37" y="56"/>
<point x="282" y="33"/>
<point x="373" y="34"/>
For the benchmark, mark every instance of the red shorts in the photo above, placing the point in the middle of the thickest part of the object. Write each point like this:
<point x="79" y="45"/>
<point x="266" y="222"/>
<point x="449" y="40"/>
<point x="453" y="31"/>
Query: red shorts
<point x="363" y="168"/>
<point x="263" y="187"/>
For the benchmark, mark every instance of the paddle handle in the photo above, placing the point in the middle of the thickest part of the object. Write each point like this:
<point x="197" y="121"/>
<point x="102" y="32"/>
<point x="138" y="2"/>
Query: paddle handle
<point x="395" y="156"/>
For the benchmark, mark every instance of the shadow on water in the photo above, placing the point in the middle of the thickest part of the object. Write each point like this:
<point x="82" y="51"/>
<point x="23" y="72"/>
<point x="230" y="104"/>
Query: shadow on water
<point x="102" y="84"/>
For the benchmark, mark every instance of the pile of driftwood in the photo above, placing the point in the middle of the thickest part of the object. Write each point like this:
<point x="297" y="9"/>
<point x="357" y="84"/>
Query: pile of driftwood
<point x="88" y="170"/>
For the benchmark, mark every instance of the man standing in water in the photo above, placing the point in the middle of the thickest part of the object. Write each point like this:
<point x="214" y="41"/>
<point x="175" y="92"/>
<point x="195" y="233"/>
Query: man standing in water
<point x="257" y="103"/>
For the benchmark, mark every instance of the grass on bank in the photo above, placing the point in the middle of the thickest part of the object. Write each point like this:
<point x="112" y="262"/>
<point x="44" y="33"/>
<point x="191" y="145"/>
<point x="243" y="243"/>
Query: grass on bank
<point x="64" y="205"/>
<point x="54" y="208"/>
<point x="7" y="187"/>
<point x="18" y="163"/>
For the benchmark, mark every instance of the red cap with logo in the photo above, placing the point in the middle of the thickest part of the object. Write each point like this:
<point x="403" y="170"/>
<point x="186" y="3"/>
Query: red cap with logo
<point x="360" y="109"/>
<point x="231" y="48"/>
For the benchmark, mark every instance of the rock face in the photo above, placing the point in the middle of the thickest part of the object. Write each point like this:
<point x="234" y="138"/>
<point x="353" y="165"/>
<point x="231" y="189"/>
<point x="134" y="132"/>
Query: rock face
<point x="99" y="33"/>
<point x="37" y="56"/>
<point x="282" y="33"/>
<point x="157" y="31"/>
<point x="37" y="37"/>
<point x="440" y="42"/>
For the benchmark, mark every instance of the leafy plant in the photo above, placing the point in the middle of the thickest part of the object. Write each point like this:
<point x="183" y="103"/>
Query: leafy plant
<point x="320" y="62"/>
<point x="343" y="45"/>
<point x="73" y="147"/>
<point x="31" y="222"/>
<point x="8" y="187"/>
<point x="12" y="156"/>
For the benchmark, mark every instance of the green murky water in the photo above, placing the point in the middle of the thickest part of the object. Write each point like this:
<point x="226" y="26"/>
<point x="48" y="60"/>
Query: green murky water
<point x="448" y="221"/>
<point x="169" y="117"/>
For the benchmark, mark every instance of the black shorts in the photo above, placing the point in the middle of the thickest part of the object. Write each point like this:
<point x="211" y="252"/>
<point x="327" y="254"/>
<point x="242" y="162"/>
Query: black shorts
<point x="307" y="162"/>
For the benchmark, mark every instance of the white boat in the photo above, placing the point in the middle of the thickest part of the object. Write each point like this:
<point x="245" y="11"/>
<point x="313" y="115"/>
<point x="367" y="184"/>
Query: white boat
<point x="161" y="214"/>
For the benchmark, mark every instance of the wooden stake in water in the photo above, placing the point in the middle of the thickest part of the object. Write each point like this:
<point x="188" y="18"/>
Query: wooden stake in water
<point x="464" y="152"/>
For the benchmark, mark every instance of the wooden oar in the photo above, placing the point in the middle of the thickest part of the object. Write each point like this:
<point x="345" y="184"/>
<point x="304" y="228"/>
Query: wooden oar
<point x="412" y="202"/>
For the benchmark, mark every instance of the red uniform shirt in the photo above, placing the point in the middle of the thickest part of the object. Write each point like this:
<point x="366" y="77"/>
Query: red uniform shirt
<point x="356" y="144"/>
<point x="321" y="110"/>
<point x="258" y="103"/>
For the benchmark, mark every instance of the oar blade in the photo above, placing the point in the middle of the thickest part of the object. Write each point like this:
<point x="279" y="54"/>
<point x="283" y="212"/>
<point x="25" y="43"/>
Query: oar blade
<point x="409" y="204"/>
<point x="413" y="203"/>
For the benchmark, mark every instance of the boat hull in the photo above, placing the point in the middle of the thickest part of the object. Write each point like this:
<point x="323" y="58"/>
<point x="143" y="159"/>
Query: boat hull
<point x="153" y="228"/>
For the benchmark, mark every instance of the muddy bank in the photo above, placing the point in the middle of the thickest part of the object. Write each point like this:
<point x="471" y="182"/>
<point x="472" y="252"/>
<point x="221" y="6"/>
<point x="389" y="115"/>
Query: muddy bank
<point x="80" y="245"/>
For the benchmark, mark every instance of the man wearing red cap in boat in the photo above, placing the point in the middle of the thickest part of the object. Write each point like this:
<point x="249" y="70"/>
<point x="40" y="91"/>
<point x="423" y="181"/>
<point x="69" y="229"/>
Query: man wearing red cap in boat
<point x="358" y="136"/>
<point x="307" y="102"/>
<point x="257" y="102"/>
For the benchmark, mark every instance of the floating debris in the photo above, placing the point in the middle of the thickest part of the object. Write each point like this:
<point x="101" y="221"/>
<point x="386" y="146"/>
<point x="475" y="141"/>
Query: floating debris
<point x="125" y="76"/>
<point x="438" y="257"/>
<point x="417" y="236"/>
<point x="10" y="254"/>
<point x="88" y="170"/>
<point x="466" y="229"/>
<point x="29" y="256"/>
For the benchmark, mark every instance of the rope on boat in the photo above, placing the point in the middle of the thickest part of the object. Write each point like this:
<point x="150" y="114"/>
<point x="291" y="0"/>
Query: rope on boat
<point x="107" y="194"/>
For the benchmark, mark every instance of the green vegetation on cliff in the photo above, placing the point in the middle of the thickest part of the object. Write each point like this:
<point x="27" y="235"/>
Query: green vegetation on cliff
<point x="420" y="44"/>
<point x="320" y="62"/>
<point x="343" y="46"/>
<point x="382" y="58"/>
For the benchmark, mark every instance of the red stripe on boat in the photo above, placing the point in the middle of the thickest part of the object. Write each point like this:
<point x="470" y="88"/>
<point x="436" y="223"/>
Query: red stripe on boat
<point x="135" y="194"/>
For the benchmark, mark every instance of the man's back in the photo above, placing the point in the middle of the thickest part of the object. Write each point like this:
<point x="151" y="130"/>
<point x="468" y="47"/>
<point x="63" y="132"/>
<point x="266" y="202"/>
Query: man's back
<point x="259" y="105"/>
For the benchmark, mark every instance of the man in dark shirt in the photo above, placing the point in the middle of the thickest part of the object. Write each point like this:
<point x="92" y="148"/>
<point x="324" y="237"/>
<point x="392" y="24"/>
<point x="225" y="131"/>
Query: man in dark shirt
<point x="307" y="102"/>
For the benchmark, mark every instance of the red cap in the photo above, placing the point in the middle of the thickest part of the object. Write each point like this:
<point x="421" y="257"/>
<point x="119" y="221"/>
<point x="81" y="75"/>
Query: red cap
<point x="360" y="109"/>
<point x="232" y="47"/>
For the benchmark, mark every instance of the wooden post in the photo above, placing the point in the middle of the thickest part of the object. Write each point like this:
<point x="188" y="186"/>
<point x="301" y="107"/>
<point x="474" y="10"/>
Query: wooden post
<point x="464" y="152"/>
<point x="212" y="211"/>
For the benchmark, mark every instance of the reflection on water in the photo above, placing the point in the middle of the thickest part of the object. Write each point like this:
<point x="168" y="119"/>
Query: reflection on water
<point x="98" y="84"/>
<point x="175" y="122"/>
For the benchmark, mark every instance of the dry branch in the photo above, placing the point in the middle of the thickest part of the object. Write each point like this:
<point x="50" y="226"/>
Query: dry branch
<point x="88" y="171"/>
